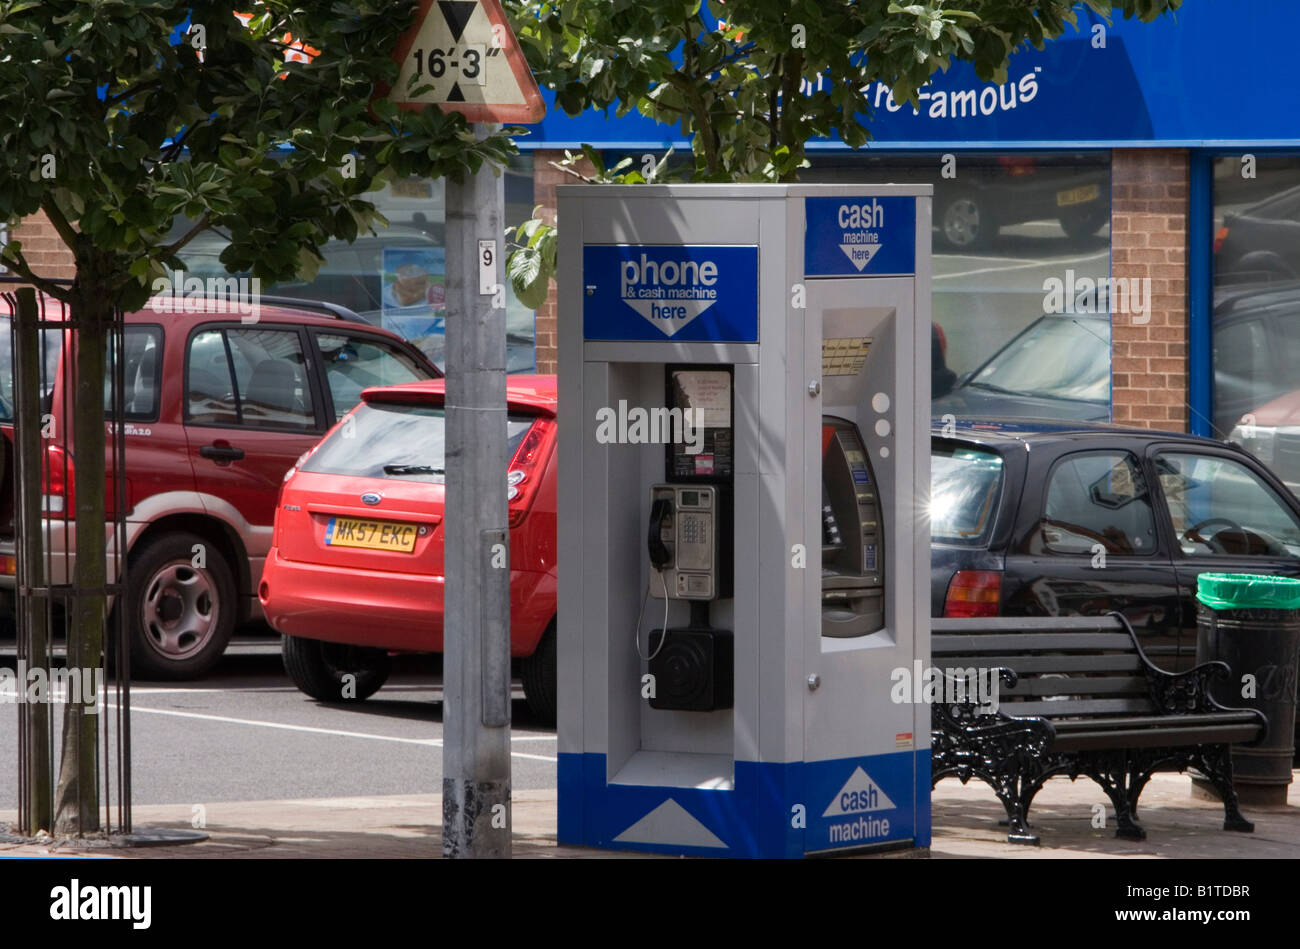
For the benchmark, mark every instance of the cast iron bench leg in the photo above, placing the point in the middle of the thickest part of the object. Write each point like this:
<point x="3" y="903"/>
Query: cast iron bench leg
<point x="1215" y="762"/>
<point x="1111" y="770"/>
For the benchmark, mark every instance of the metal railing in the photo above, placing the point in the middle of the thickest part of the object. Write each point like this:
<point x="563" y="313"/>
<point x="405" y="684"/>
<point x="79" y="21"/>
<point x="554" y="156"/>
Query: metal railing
<point x="40" y="373"/>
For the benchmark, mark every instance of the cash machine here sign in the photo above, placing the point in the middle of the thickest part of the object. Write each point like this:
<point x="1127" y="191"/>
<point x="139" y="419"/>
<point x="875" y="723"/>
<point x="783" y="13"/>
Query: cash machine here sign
<point x="682" y="292"/>
<point x="859" y="236"/>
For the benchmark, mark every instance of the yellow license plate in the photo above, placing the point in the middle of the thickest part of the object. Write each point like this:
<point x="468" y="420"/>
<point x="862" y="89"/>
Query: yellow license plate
<point x="370" y="535"/>
<point x="1076" y="196"/>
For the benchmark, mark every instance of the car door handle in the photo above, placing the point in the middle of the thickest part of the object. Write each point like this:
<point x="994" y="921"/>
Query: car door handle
<point x="222" y="452"/>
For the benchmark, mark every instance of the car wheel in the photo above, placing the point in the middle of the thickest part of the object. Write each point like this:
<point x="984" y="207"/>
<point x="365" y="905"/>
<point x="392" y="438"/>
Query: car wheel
<point x="966" y="224"/>
<point x="179" y="615"/>
<point x="1080" y="224"/>
<point x="539" y="674"/>
<point x="334" y="672"/>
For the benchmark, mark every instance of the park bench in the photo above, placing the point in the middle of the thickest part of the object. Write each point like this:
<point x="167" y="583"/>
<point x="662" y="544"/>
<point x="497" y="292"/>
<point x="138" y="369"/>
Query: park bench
<point x="1076" y="696"/>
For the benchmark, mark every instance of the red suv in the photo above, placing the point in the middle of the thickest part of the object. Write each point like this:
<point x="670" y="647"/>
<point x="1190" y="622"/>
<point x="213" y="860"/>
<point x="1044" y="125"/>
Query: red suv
<point x="356" y="565"/>
<point x="217" y="410"/>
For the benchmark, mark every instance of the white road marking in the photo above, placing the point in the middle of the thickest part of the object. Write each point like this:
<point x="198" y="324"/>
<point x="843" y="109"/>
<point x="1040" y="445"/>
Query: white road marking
<point x="1070" y="261"/>
<point x="428" y="742"/>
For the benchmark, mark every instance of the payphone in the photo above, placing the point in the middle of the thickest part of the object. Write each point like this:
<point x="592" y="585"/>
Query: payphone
<point x="689" y="543"/>
<point x="764" y="490"/>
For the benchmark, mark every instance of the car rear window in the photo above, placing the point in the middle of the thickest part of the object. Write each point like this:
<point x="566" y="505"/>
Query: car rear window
<point x="392" y="440"/>
<point x="965" y="484"/>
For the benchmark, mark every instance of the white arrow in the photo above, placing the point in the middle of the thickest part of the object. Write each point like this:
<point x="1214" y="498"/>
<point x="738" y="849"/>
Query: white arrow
<point x="860" y="254"/>
<point x="685" y="311"/>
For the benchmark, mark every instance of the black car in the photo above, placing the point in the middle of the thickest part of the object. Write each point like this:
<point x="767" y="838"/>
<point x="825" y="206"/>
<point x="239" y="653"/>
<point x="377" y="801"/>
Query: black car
<point x="1260" y="242"/>
<point x="1052" y="519"/>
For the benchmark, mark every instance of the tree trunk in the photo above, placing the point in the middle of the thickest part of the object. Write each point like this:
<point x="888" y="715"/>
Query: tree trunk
<point x="77" y="796"/>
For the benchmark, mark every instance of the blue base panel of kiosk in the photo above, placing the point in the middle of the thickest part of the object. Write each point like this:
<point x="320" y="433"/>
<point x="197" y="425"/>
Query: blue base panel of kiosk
<point x="774" y="810"/>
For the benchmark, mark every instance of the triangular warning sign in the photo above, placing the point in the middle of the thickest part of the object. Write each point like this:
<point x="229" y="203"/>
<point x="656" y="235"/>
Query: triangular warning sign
<point x="860" y="795"/>
<point x="453" y="53"/>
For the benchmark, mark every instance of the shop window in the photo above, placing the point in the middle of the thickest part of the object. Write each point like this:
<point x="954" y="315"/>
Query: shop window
<point x="1256" y="315"/>
<point x="396" y="278"/>
<point x="1021" y="270"/>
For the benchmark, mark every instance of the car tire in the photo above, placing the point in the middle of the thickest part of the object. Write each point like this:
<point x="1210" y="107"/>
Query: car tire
<point x="321" y="670"/>
<point x="1080" y="224"/>
<point x="965" y="223"/>
<point x="179" y="616"/>
<point x="539" y="672"/>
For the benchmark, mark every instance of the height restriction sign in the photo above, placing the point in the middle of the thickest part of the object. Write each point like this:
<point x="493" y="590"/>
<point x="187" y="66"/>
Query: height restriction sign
<point x="465" y="56"/>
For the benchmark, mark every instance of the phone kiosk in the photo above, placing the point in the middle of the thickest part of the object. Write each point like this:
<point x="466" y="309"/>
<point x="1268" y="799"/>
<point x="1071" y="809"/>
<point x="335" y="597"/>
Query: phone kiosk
<point x="743" y="534"/>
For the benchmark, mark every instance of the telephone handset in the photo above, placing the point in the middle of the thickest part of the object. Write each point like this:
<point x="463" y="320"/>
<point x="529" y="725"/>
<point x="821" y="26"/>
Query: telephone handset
<point x="661" y="533"/>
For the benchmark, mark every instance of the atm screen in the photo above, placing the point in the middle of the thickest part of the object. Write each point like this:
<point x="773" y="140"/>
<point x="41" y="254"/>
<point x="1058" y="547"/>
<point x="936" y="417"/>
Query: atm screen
<point x="852" y="535"/>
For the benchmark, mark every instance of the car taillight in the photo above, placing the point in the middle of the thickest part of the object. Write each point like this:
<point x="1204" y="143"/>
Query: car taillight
<point x="57" y="479"/>
<point x="525" y="474"/>
<point x="973" y="593"/>
<point x="1219" y="237"/>
<point x="943" y="338"/>
<point x="1016" y="165"/>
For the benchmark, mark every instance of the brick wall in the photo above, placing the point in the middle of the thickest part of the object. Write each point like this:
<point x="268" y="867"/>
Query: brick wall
<point x="1149" y="240"/>
<point x="45" y="253"/>
<point x="545" y="178"/>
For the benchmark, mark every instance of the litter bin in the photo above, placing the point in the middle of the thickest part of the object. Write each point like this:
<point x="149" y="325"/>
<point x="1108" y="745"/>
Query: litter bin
<point x="1253" y="624"/>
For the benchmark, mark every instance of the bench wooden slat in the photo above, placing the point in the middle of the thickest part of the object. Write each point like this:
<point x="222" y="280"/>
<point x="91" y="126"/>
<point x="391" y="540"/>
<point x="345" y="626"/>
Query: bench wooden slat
<point x="1158" y="737"/>
<point x="1025" y="624"/>
<point x="1071" y="708"/>
<point x="1028" y="665"/>
<point x="1156" y="721"/>
<point x="1078" y="685"/>
<point x="1010" y="642"/>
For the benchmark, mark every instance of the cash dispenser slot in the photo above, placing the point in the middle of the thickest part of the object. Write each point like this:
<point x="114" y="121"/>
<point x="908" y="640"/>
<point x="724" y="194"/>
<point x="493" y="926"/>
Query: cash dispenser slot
<point x="853" y="565"/>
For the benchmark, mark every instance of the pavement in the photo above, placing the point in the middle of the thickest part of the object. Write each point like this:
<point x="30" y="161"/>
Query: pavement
<point x="1180" y="823"/>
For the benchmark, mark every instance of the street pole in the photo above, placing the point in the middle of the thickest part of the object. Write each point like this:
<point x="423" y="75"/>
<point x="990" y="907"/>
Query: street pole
<point x="476" y="637"/>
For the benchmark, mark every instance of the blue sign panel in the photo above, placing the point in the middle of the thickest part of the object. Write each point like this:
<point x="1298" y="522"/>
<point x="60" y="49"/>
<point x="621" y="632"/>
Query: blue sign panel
<point x="1137" y="76"/>
<point x="859" y="236"/>
<point x="691" y="292"/>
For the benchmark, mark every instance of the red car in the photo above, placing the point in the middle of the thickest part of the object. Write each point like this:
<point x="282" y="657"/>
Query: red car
<point x="217" y="407"/>
<point x="355" y="571"/>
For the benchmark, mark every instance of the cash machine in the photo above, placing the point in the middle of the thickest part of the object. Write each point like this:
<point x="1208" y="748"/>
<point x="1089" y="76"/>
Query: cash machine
<point x="743" y="533"/>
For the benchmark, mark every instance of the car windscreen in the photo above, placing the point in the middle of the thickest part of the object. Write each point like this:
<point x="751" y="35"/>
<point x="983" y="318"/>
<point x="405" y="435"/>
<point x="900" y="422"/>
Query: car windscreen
<point x="396" y="440"/>
<point x="965" y="484"/>
<point x="1056" y="358"/>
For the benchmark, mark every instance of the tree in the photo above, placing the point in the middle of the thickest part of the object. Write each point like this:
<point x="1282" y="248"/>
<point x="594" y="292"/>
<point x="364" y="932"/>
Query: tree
<point x="258" y="124"/>
<point x="740" y="78"/>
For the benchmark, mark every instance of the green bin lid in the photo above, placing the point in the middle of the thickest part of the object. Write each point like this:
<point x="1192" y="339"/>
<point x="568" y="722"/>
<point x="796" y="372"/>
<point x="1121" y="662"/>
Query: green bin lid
<point x="1237" y="591"/>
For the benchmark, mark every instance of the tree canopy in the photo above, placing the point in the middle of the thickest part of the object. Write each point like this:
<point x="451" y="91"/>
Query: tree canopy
<point x="121" y="115"/>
